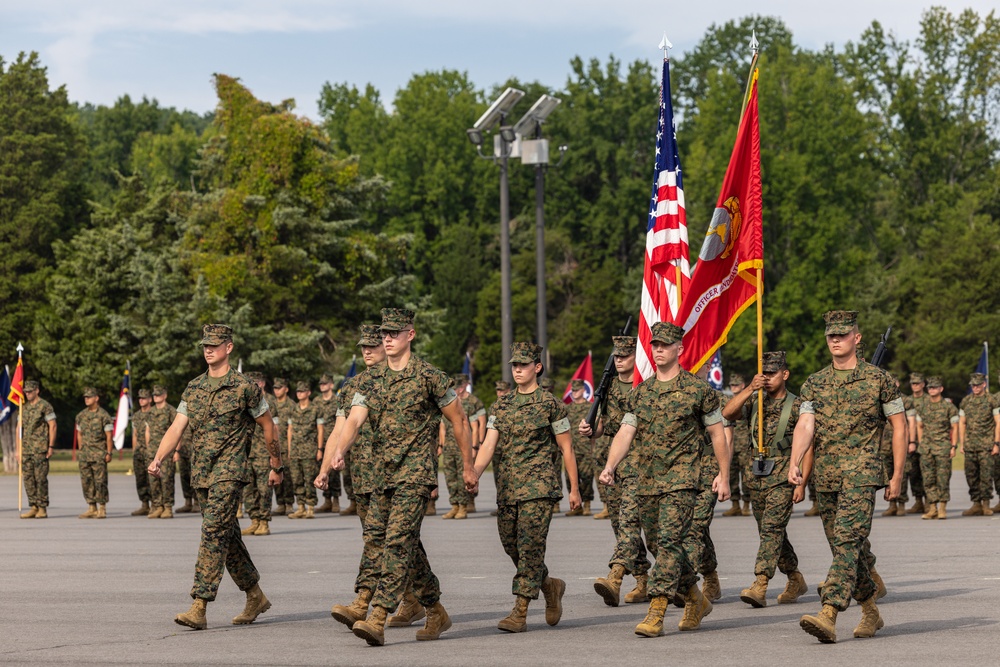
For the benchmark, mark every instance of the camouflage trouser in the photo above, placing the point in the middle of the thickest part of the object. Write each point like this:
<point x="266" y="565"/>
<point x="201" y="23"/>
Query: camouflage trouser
<point x="393" y="521"/>
<point x="772" y="508"/>
<point x="139" y="464"/>
<point x="304" y="471"/>
<point x="847" y="522"/>
<point x="888" y="464"/>
<point x="371" y="553"/>
<point x="524" y="529"/>
<point x="601" y="460"/>
<point x="451" y="461"/>
<point x="666" y="518"/>
<point x="626" y="520"/>
<point x="996" y="475"/>
<point x="585" y="475"/>
<point x="979" y="475"/>
<point x="285" y="492"/>
<point x="915" y="476"/>
<point x="184" y="468"/>
<point x="737" y="467"/>
<point x="699" y="545"/>
<point x="257" y="494"/>
<point x="94" y="479"/>
<point x="332" y="491"/>
<point x="35" y="468"/>
<point x="221" y="545"/>
<point x="161" y="489"/>
<point x="936" y="472"/>
<point x="811" y="488"/>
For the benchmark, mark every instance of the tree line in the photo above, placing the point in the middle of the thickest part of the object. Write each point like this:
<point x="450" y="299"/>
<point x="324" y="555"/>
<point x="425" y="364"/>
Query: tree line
<point x="123" y="228"/>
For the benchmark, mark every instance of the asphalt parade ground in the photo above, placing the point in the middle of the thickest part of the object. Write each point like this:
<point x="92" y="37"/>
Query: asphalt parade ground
<point x="106" y="591"/>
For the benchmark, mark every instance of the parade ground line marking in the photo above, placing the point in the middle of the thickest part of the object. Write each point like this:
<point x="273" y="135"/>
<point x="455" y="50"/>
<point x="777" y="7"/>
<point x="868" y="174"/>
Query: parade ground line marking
<point x="473" y="577"/>
<point x="314" y="572"/>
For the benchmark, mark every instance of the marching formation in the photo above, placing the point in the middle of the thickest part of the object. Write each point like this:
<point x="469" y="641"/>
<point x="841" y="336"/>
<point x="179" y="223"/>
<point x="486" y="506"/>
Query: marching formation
<point x="666" y="450"/>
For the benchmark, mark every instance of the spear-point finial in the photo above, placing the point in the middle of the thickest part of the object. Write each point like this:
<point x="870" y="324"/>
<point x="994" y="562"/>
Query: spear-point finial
<point x="754" y="44"/>
<point x="20" y="348"/>
<point x="665" y="44"/>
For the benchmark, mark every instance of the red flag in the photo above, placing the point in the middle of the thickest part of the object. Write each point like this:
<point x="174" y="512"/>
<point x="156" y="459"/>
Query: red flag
<point x="586" y="373"/>
<point x="724" y="282"/>
<point x="16" y="395"/>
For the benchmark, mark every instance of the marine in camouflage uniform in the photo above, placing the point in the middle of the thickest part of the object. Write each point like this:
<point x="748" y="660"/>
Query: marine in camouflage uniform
<point x="305" y="449"/>
<point x="741" y="440"/>
<point x="141" y="454"/>
<point x="524" y="430"/>
<point x="978" y="435"/>
<point x="771" y="495"/>
<point x="915" y="476"/>
<point x="668" y="415"/>
<point x="184" y="471"/>
<point x="257" y="494"/>
<point x="896" y="507"/>
<point x="844" y="408"/>
<point x="403" y="399"/>
<point x="937" y="426"/>
<point x="161" y="488"/>
<point x="94" y="426"/>
<point x="329" y="405"/>
<point x="220" y="408"/>
<point x="281" y="411"/>
<point x="364" y="481"/>
<point x="629" y="555"/>
<point x="583" y="448"/>
<point x="38" y="428"/>
<point x="451" y="456"/>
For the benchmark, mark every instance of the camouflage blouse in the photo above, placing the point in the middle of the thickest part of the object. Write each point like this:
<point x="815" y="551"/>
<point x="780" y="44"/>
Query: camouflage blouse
<point x="527" y="425"/>
<point x="614" y="411"/>
<point x="936" y="419"/>
<point x="93" y="427"/>
<point x="305" y="423"/>
<point x="159" y="421"/>
<point x="979" y="424"/>
<point x="35" y="420"/>
<point x="362" y="455"/>
<point x="258" y="446"/>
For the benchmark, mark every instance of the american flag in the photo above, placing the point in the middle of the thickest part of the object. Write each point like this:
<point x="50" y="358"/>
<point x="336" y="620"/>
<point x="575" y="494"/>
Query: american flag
<point x="666" y="236"/>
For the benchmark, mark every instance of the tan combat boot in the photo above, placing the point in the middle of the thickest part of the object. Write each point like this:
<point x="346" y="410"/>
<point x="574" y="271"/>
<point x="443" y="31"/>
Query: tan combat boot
<point x="756" y="595"/>
<point x="746" y="508"/>
<point x="91" y="512"/>
<point x="517" y="620"/>
<point x="822" y="626"/>
<point x="918" y="506"/>
<point x="652" y="625"/>
<point x="263" y="527"/>
<point x="186" y="507"/>
<point x="335" y="505"/>
<point x="431" y="508"/>
<point x="350" y="510"/>
<point x="309" y="513"/>
<point x="603" y="514"/>
<point x="30" y="514"/>
<point x="42" y="514"/>
<point x="586" y="509"/>
<point x="712" y="588"/>
<point x="195" y="507"/>
<point x="553" y="590"/>
<point x="102" y="511"/>
<point x="871" y="620"/>
<point x="880" y="589"/>
<point x="942" y="511"/>
<point x="239" y="511"/>
<point x="325" y="508"/>
<point x="372" y="629"/>
<point x="575" y="512"/>
<point x="461" y="513"/>
<point x="931" y="512"/>
<point x="986" y="509"/>
<point x="143" y="509"/>
<point x="470" y="506"/>
<point x="280" y="510"/>
<point x="409" y="611"/>
<point x="610" y="587"/>
<point x="794" y="589"/>
<point x="354" y="612"/>
<point x="975" y="510"/>
<point x="194" y="617"/>
<point x="155" y="512"/>
<point x="812" y="511"/>
<point x="168" y="513"/>
<point x="450" y="514"/>
<point x="734" y="510"/>
<point x="299" y="513"/>
<point x="696" y="607"/>
<point x="257" y="604"/>
<point x="996" y="508"/>
<point x="893" y="509"/>
<point x="249" y="530"/>
<point x="639" y="593"/>
<point x="437" y="622"/>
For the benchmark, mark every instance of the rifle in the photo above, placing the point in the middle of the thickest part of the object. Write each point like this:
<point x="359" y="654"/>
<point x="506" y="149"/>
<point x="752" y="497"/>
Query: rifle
<point x="601" y="393"/>
<point x="882" y="349"/>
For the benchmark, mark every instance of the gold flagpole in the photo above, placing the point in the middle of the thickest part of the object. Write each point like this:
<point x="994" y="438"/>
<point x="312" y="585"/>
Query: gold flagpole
<point x="20" y="437"/>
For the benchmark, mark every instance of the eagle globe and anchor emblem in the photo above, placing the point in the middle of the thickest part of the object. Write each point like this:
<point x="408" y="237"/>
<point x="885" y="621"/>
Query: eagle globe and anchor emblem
<point x="723" y="231"/>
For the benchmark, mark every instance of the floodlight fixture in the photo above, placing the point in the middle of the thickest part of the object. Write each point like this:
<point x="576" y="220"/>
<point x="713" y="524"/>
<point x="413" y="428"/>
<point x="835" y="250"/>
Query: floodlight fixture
<point x="507" y="133"/>
<point x="475" y="136"/>
<point x="499" y="109"/>
<point x="536" y="115"/>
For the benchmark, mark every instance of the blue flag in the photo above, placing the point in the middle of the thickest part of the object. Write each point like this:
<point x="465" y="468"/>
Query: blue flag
<point x="5" y="409"/>
<point x="353" y="370"/>
<point x="715" y="371"/>
<point x="983" y="367"/>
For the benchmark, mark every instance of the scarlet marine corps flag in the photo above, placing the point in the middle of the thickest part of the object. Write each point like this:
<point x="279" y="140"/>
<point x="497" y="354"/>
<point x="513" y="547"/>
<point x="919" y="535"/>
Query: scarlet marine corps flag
<point x="586" y="373"/>
<point x="730" y="266"/>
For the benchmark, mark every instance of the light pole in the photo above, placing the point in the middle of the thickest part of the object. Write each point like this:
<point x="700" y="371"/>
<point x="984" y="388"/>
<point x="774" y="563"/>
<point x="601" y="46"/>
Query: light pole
<point x="503" y="142"/>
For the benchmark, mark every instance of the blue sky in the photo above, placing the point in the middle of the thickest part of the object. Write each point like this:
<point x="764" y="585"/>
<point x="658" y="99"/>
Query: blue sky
<point x="169" y="49"/>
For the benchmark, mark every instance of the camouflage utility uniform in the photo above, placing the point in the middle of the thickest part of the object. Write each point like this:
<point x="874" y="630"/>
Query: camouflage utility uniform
<point x="451" y="459"/>
<point x="305" y="423"/>
<point x="935" y="447"/>
<point x="915" y="475"/>
<point x="141" y="455"/>
<point x="281" y="411"/>
<point x="93" y="427"/>
<point x="980" y="427"/>
<point x="583" y="449"/>
<point x="257" y="495"/>
<point x="699" y="545"/>
<point x="35" y="418"/>
<point x="328" y="410"/>
<point x="162" y="487"/>
<point x="885" y="451"/>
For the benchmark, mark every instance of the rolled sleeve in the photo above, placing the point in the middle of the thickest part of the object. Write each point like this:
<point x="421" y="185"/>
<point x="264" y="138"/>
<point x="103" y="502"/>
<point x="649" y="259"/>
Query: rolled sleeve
<point x="630" y="420"/>
<point x="182" y="408"/>
<point x="954" y="420"/>
<point x="261" y="408"/>
<point x="51" y="417"/>
<point x="895" y="407"/>
<point x="449" y="397"/>
<point x="491" y="423"/>
<point x="560" y="426"/>
<point x="712" y="418"/>
<point x="358" y="399"/>
<point x="807" y="408"/>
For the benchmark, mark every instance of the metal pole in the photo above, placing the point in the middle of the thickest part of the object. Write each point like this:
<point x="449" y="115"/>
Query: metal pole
<point x="506" y="321"/>
<point x="541" y="312"/>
